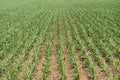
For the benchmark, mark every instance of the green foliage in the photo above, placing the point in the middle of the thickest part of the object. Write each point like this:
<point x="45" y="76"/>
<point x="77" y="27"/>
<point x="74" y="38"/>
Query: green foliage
<point x="94" y="26"/>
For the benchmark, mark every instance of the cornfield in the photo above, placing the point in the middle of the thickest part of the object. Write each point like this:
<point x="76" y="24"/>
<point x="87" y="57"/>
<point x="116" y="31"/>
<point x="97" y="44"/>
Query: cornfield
<point x="59" y="39"/>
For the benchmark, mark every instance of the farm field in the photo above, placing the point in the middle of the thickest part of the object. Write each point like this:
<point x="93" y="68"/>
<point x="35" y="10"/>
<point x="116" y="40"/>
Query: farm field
<point x="59" y="39"/>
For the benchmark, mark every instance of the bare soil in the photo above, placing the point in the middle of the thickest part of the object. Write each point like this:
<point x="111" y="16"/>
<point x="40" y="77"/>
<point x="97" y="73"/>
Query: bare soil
<point x="84" y="74"/>
<point x="54" y="73"/>
<point x="69" y="71"/>
<point x="68" y="65"/>
<point x="100" y="74"/>
<point x="26" y="63"/>
<point x="38" y="70"/>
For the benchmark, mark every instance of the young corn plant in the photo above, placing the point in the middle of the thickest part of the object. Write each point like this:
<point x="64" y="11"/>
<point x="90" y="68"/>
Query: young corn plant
<point x="12" y="72"/>
<point x="92" y="48"/>
<point x="61" y="58"/>
<point x="46" y="64"/>
<point x="87" y="61"/>
<point x="32" y="65"/>
<point x="72" y="54"/>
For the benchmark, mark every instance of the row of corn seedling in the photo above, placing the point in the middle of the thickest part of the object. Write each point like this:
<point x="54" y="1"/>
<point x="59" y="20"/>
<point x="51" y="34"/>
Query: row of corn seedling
<point x="70" y="49"/>
<point x="83" y="52"/>
<point x="33" y="63"/>
<point x="60" y="53"/>
<point x="12" y="72"/>
<point x="80" y="29"/>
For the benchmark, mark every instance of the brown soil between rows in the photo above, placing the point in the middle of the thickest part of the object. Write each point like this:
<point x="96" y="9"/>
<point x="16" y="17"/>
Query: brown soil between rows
<point x="110" y="66"/>
<point x="25" y="65"/>
<point x="68" y="65"/>
<point x="38" y="71"/>
<point x="37" y="74"/>
<point x="84" y="74"/>
<point x="100" y="71"/>
<point x="69" y="71"/>
<point x="100" y="74"/>
<point x="11" y="65"/>
<point x="54" y="73"/>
